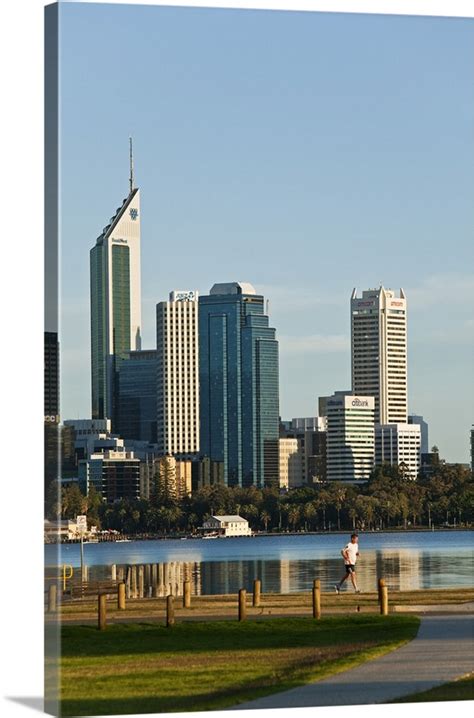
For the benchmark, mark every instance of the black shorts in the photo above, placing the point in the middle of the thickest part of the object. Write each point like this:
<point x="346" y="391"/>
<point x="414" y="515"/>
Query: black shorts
<point x="350" y="568"/>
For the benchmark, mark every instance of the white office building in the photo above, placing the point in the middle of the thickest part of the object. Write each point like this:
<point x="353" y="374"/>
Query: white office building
<point x="178" y="374"/>
<point x="399" y="445"/>
<point x="350" y="436"/>
<point x="379" y="352"/>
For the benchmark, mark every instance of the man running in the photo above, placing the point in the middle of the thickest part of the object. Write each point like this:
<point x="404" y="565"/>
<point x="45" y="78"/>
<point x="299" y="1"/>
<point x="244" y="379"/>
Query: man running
<point x="349" y="554"/>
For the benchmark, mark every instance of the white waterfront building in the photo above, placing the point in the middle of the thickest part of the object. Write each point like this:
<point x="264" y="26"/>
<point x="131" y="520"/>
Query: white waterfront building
<point x="399" y="445"/>
<point x="177" y="344"/>
<point x="379" y="351"/>
<point x="350" y="436"/>
<point x="227" y="526"/>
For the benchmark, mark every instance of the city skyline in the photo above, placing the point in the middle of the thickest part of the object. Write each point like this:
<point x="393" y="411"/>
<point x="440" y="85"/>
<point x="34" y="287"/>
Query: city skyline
<point x="309" y="310"/>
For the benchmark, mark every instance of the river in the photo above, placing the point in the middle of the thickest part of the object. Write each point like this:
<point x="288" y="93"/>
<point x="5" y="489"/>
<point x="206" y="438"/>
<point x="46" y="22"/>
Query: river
<point x="286" y="563"/>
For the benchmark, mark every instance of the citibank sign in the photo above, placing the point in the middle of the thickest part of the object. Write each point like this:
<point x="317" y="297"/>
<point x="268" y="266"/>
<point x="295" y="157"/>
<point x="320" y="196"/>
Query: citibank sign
<point x="359" y="402"/>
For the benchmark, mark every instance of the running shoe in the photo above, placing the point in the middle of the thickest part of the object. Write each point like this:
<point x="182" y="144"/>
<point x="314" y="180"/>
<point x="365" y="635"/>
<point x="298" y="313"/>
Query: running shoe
<point x="336" y="588"/>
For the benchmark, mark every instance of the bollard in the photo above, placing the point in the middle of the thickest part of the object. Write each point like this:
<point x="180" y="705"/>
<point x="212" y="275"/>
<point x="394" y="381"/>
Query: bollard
<point x="134" y="591"/>
<point x="128" y="582"/>
<point x="242" y="604"/>
<point x="141" y="581"/>
<point x="169" y="610"/>
<point x="121" y="574"/>
<point x="381" y="584"/>
<point x="257" y="587"/>
<point x="102" y="611"/>
<point x="121" y="597"/>
<point x="52" y="598"/>
<point x="384" y="601"/>
<point x="187" y="594"/>
<point x="316" y="598"/>
<point x="113" y="572"/>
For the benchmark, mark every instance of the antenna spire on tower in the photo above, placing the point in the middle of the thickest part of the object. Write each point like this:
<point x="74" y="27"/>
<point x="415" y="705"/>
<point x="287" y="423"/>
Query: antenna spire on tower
<point x="131" y="165"/>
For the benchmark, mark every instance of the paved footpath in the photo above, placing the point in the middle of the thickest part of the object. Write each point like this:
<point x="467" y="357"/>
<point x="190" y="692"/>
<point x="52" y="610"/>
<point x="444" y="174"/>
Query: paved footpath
<point x="442" y="651"/>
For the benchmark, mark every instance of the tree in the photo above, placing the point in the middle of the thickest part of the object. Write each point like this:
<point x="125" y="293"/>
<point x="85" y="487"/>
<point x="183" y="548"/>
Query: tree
<point x="265" y="518"/>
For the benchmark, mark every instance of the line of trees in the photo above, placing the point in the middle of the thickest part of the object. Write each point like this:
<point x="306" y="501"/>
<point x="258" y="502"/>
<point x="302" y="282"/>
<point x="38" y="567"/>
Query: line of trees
<point x="387" y="500"/>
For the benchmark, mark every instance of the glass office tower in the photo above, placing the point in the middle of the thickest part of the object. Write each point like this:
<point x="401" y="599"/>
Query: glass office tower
<point x="115" y="303"/>
<point x="238" y="376"/>
<point x="137" y="396"/>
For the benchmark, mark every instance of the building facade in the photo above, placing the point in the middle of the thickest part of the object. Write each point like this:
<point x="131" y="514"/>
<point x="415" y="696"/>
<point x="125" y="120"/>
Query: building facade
<point x="239" y="393"/>
<point x="311" y="434"/>
<point x="416" y="419"/>
<point x="399" y="445"/>
<point x="291" y="464"/>
<point x="379" y="352"/>
<point x="137" y="380"/>
<point x="115" y="302"/>
<point x="177" y="346"/>
<point x="350" y="437"/>
<point x="115" y="475"/>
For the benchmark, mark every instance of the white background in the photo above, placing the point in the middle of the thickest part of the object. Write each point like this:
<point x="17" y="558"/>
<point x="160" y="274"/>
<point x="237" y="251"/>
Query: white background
<point x="21" y="266"/>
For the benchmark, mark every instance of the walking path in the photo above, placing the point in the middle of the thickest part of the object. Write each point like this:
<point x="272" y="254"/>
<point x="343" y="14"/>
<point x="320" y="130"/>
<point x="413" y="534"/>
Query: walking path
<point x="442" y="651"/>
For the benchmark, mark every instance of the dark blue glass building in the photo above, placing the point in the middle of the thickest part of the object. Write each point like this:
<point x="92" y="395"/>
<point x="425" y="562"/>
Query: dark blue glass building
<point x="238" y="376"/>
<point x="136" y="396"/>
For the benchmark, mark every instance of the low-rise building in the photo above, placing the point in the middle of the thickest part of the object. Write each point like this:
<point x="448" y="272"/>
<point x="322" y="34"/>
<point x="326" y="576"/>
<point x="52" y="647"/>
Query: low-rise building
<point x="226" y="526"/>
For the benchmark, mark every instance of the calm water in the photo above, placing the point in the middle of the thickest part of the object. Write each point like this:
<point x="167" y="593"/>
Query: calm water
<point x="287" y="564"/>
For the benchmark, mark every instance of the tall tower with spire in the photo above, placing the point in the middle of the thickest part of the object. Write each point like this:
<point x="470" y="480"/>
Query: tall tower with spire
<point x="115" y="297"/>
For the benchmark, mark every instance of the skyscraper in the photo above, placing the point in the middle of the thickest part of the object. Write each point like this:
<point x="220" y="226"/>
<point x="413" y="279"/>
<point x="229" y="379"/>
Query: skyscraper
<point x="177" y="374"/>
<point x="379" y="352"/>
<point x="115" y="301"/>
<point x="239" y="395"/>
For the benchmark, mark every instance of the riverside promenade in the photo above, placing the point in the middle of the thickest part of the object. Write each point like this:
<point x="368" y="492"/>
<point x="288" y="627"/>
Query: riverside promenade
<point x="442" y="651"/>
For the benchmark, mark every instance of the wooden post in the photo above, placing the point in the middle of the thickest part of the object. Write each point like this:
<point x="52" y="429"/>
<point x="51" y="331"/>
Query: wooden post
<point x="102" y="611"/>
<point x="242" y="604"/>
<point x="384" y="601"/>
<point x="147" y="578"/>
<point x="257" y="586"/>
<point x="316" y="598"/>
<point x="121" y="597"/>
<point x="134" y="582"/>
<point x="120" y="573"/>
<point x="52" y="598"/>
<point x="169" y="610"/>
<point x="381" y="584"/>
<point x="113" y="572"/>
<point x="128" y="582"/>
<point x="141" y="581"/>
<point x="154" y="578"/>
<point x="187" y="594"/>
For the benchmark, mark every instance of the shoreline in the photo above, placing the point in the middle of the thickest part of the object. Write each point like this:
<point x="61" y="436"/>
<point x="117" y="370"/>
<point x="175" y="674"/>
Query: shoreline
<point x="129" y="538"/>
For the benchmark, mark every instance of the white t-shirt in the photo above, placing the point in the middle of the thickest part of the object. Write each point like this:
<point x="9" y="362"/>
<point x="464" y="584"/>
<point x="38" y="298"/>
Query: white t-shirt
<point x="352" y="550"/>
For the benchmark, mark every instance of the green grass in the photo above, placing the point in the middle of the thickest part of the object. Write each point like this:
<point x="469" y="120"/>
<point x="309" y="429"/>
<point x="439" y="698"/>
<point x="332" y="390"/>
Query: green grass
<point x="141" y="668"/>
<point x="460" y="690"/>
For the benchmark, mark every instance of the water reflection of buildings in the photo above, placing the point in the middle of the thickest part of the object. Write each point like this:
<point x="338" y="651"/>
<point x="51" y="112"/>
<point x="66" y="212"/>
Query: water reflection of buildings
<point x="401" y="568"/>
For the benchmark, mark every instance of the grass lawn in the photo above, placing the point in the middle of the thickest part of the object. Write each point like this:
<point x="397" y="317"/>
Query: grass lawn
<point x="197" y="665"/>
<point x="460" y="690"/>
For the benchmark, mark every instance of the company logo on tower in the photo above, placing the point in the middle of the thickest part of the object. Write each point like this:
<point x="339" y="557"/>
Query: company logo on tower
<point x="134" y="213"/>
<point x="359" y="402"/>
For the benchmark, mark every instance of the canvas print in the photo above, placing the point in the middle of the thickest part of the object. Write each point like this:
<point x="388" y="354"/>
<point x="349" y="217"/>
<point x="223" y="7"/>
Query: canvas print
<point x="258" y="341"/>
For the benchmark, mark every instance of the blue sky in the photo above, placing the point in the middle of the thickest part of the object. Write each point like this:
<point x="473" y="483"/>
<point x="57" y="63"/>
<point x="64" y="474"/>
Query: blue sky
<point x="306" y="153"/>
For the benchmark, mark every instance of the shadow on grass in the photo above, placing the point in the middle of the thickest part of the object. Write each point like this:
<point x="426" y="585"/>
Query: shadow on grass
<point x="196" y="637"/>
